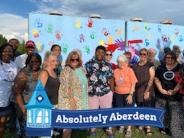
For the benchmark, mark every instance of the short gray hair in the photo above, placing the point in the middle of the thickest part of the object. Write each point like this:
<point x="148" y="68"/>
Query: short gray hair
<point x="122" y="58"/>
<point x="152" y="50"/>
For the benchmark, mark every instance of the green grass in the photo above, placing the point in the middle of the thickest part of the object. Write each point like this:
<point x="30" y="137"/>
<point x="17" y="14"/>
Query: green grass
<point x="135" y="134"/>
<point x="101" y="134"/>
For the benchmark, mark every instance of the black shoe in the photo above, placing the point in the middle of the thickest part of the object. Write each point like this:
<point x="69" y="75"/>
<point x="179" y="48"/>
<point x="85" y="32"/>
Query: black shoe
<point x="166" y="131"/>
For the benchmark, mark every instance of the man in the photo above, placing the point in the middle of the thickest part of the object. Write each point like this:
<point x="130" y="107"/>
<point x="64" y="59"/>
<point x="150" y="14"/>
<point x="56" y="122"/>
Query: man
<point x="15" y="43"/>
<point x="101" y="83"/>
<point x="20" y="60"/>
<point x="151" y="57"/>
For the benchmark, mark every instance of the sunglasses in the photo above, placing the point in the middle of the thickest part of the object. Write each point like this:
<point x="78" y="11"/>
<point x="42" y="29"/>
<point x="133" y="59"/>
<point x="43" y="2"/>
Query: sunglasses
<point x="108" y="54"/>
<point x="73" y="60"/>
<point x="169" y="57"/>
<point x="142" y="54"/>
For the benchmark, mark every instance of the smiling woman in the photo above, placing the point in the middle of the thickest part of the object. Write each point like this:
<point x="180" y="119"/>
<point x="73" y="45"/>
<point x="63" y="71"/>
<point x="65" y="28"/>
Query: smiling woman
<point x="24" y="86"/>
<point x="8" y="72"/>
<point x="73" y="87"/>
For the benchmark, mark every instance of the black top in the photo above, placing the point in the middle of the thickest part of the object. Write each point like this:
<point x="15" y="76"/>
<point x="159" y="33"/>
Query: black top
<point x="166" y="77"/>
<point x="52" y="88"/>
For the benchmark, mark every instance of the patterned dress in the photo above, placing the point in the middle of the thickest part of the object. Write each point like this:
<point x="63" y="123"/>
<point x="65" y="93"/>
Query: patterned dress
<point x="73" y="89"/>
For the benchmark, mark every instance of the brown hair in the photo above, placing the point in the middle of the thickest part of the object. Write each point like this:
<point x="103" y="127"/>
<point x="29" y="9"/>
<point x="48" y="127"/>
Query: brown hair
<point x="70" y="57"/>
<point x="143" y="49"/>
<point x="172" y="54"/>
<point x="128" y="53"/>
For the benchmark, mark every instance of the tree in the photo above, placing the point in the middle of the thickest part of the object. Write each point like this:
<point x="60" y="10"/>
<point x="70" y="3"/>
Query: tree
<point x="21" y="47"/>
<point x="3" y="40"/>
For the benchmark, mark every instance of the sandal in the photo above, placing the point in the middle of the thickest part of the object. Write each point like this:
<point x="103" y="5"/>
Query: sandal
<point x="149" y="132"/>
<point x="121" y="129"/>
<point x="140" y="128"/>
<point x="128" y="134"/>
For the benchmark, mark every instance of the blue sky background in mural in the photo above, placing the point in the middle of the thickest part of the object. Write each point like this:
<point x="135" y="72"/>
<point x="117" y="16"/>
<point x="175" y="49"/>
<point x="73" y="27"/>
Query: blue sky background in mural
<point x="76" y="33"/>
<point x="157" y="36"/>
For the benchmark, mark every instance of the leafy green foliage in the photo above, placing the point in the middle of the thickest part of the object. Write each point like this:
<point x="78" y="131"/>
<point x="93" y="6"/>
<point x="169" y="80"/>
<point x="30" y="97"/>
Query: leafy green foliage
<point x="3" y="40"/>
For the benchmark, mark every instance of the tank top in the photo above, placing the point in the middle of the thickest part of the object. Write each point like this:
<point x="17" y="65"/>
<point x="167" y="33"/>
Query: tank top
<point x="30" y="85"/>
<point x="51" y="88"/>
<point x="142" y="74"/>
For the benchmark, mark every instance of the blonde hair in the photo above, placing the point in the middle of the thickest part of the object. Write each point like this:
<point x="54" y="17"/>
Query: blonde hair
<point x="47" y="55"/>
<point x="74" y="52"/>
<point x="143" y="49"/>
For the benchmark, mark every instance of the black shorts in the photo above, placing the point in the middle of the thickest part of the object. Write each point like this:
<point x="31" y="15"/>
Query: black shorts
<point x="120" y="100"/>
<point x="5" y="111"/>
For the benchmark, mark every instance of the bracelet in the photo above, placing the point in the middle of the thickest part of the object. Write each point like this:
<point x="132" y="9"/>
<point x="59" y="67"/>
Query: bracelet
<point x="130" y="94"/>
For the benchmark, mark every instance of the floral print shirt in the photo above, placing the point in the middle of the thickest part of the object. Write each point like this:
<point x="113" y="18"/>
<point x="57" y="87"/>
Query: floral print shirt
<point x="98" y="74"/>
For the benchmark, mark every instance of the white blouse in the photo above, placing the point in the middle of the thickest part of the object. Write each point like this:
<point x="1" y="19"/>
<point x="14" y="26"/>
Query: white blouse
<point x="8" y="72"/>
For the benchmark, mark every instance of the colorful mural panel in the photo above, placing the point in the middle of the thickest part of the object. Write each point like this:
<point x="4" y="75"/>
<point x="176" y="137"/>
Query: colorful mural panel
<point x="76" y="33"/>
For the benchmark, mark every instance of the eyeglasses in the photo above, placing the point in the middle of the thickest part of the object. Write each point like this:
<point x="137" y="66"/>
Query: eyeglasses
<point x="142" y="54"/>
<point x="73" y="60"/>
<point x="108" y="54"/>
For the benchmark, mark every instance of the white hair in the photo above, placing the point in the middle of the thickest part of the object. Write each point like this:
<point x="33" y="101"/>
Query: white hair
<point x="152" y="50"/>
<point x="122" y="58"/>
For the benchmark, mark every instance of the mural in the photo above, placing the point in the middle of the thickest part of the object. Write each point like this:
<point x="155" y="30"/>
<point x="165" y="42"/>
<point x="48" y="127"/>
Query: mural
<point x="149" y="35"/>
<point x="76" y="33"/>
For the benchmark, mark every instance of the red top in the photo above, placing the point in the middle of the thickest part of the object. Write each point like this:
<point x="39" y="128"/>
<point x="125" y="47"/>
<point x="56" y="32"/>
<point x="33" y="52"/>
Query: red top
<point x="179" y="80"/>
<point x="114" y="66"/>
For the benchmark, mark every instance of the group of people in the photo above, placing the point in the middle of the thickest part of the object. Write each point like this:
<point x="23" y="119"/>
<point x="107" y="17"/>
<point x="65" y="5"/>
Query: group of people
<point x="96" y="84"/>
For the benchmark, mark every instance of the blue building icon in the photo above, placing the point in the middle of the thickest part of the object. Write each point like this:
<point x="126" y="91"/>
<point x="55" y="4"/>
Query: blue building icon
<point x="39" y="113"/>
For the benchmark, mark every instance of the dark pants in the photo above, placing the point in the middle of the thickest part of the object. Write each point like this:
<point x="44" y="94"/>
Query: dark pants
<point x="173" y="117"/>
<point x="145" y="104"/>
<point x="21" y="122"/>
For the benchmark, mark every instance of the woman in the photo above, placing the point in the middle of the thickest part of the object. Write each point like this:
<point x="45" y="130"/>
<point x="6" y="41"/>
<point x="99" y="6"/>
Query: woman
<point x="49" y="78"/>
<point x="108" y="58"/>
<point x="24" y="86"/>
<point x="56" y="50"/>
<point x="125" y="81"/>
<point x="73" y="88"/>
<point x="8" y="72"/>
<point x="167" y="96"/>
<point x="144" y="92"/>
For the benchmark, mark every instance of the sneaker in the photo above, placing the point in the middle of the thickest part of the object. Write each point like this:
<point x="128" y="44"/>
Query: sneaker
<point x="128" y="134"/>
<point x="165" y="131"/>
